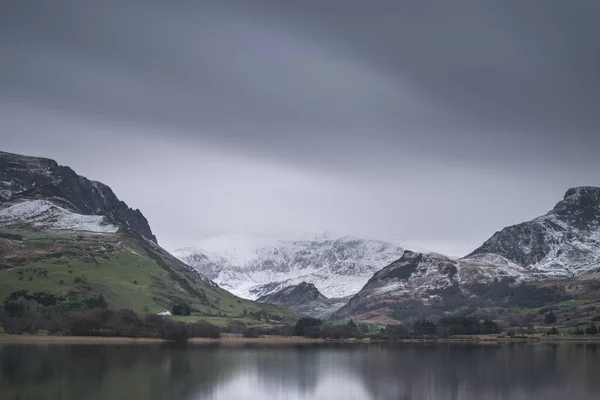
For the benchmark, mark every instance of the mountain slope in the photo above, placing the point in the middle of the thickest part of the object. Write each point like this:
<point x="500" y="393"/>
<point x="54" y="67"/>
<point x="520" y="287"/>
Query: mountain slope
<point x="73" y="240"/>
<point x="545" y="261"/>
<point x="563" y="243"/>
<point x="32" y="178"/>
<point x="305" y="299"/>
<point x="253" y="267"/>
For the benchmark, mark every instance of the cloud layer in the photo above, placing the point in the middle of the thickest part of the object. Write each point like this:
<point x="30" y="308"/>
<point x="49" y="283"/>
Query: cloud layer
<point x="438" y="122"/>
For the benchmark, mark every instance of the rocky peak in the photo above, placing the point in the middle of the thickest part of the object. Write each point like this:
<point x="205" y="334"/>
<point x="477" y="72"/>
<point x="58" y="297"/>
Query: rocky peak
<point x="301" y="293"/>
<point x="412" y="264"/>
<point x="33" y="178"/>
<point x="563" y="241"/>
<point x="580" y="208"/>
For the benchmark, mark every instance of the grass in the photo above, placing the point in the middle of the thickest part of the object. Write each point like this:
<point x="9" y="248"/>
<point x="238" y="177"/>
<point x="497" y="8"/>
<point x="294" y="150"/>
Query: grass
<point x="125" y="275"/>
<point x="125" y="280"/>
<point x="219" y="321"/>
<point x="574" y="302"/>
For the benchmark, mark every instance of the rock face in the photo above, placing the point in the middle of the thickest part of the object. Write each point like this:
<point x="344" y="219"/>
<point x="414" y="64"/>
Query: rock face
<point x="563" y="243"/>
<point x="302" y="293"/>
<point x="428" y="284"/>
<point x="305" y="299"/>
<point x="527" y="265"/>
<point x="24" y="178"/>
<point x="252" y="267"/>
<point x="425" y="278"/>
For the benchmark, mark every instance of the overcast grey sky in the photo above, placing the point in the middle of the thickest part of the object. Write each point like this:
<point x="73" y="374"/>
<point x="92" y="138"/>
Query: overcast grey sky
<point x="429" y="122"/>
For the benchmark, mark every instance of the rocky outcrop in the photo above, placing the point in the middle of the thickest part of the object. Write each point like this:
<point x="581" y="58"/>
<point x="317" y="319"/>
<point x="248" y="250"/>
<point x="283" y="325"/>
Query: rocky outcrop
<point x="305" y="299"/>
<point x="525" y="265"/>
<point x="565" y="242"/>
<point x="25" y="178"/>
<point x="301" y="293"/>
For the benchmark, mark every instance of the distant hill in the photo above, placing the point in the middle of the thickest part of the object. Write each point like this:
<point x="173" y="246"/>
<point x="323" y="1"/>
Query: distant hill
<point x="306" y="299"/>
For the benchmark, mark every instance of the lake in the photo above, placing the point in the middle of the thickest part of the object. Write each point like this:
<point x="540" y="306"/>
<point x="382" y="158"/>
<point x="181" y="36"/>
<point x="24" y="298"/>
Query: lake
<point x="299" y="372"/>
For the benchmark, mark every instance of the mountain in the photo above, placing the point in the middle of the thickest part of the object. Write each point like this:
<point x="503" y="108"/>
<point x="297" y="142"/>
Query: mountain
<point x="301" y="293"/>
<point x="305" y="299"/>
<point x="252" y="267"/>
<point x="563" y="243"/>
<point x="551" y="260"/>
<point x="71" y="239"/>
<point x="31" y="179"/>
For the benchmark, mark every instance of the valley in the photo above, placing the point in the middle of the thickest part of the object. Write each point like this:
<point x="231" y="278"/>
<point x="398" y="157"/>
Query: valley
<point x="68" y="245"/>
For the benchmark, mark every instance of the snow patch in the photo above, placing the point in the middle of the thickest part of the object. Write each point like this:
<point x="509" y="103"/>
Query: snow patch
<point x="43" y="214"/>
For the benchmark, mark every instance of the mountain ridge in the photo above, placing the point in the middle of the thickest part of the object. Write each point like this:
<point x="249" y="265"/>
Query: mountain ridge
<point x="34" y="178"/>
<point x="252" y="267"/>
<point x="552" y="257"/>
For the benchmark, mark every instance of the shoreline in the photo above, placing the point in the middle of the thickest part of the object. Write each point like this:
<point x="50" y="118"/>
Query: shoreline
<point x="284" y="340"/>
<point x="49" y="339"/>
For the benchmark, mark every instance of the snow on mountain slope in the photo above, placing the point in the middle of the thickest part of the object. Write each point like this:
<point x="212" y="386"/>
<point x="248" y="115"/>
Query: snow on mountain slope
<point x="42" y="214"/>
<point x="563" y="243"/>
<point x="517" y="266"/>
<point x="252" y="267"/>
<point x="26" y="178"/>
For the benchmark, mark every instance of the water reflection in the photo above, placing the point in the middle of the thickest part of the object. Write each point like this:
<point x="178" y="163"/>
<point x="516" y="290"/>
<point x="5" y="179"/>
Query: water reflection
<point x="458" y="372"/>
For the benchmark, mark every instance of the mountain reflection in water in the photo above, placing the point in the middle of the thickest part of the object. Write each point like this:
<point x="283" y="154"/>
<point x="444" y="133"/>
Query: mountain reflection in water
<point x="298" y="372"/>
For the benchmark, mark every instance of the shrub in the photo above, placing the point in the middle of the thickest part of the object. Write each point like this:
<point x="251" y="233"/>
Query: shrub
<point x="251" y="333"/>
<point x="550" y="318"/>
<point x="14" y="308"/>
<point x="96" y="302"/>
<point x="393" y="332"/>
<point x="424" y="327"/>
<point x="591" y="330"/>
<point x="205" y="329"/>
<point x="340" y="332"/>
<point x="84" y="323"/>
<point x="462" y="325"/>
<point x="364" y="328"/>
<point x="20" y="325"/>
<point x="235" y="326"/>
<point x="552" y="331"/>
<point x="306" y="325"/>
<point x="181" y="309"/>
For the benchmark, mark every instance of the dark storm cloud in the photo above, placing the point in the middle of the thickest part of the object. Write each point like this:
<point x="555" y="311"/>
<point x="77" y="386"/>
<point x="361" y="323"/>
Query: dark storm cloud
<point x="392" y="117"/>
<point x="446" y="75"/>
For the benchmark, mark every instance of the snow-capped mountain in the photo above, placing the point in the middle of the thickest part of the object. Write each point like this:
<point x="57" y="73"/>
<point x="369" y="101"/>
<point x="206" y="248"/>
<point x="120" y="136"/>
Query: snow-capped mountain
<point x="563" y="243"/>
<point x="533" y="259"/>
<point x="252" y="267"/>
<point x="39" y="192"/>
<point x="432" y="281"/>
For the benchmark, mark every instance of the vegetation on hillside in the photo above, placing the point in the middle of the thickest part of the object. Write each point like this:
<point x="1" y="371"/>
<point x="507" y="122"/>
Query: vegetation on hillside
<point x="75" y="271"/>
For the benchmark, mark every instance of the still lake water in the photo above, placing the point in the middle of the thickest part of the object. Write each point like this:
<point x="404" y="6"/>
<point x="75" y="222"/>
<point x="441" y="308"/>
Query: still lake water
<point x="300" y="372"/>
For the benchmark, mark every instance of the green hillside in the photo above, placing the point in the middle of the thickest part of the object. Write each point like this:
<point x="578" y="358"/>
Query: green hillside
<point x="123" y="269"/>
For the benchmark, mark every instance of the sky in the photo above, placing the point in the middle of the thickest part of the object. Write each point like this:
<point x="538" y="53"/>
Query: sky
<point x="430" y="123"/>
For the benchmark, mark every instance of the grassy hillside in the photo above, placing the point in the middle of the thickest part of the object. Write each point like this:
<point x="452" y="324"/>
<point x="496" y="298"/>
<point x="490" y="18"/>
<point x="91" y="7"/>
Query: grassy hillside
<point x="126" y="270"/>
